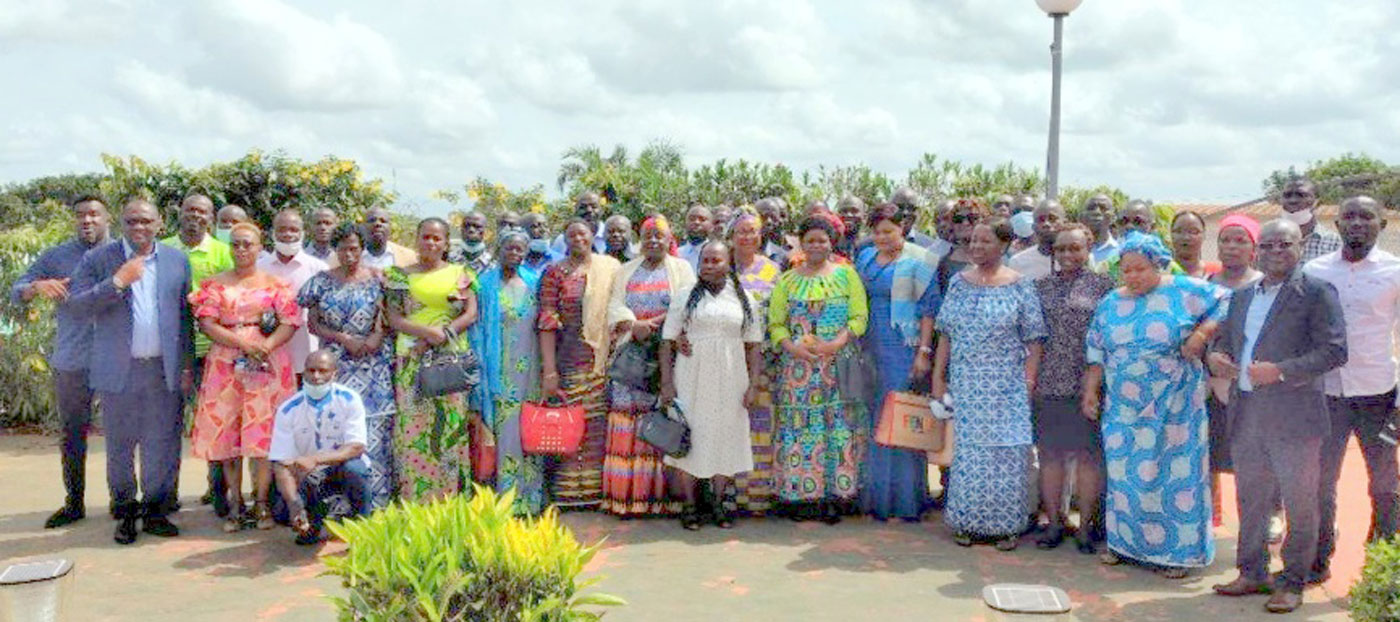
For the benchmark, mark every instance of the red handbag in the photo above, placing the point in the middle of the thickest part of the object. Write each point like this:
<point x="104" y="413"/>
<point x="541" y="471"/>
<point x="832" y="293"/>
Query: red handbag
<point x="551" y="430"/>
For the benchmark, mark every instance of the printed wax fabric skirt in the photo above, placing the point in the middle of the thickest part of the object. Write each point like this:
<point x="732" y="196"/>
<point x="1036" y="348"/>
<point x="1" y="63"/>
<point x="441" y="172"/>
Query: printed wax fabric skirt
<point x="820" y="437"/>
<point x="987" y="491"/>
<point x="578" y="479"/>
<point x="634" y="478"/>
<point x="431" y="441"/>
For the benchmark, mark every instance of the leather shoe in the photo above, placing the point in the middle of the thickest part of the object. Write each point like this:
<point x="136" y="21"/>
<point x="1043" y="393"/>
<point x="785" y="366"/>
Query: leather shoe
<point x="159" y="526"/>
<point x="1283" y="602"/>
<point x="126" y="531"/>
<point x="65" y="515"/>
<point x="1242" y="587"/>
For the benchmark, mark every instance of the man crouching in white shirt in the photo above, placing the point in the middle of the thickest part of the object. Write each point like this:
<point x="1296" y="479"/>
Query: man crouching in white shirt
<point x="318" y="445"/>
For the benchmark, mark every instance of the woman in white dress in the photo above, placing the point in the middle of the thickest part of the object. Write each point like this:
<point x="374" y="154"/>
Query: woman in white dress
<point x="713" y="378"/>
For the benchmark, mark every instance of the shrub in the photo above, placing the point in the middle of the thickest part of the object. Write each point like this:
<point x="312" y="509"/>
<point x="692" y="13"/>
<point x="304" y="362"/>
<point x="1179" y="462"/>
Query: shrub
<point x="26" y="331"/>
<point x="463" y="560"/>
<point x="1376" y="597"/>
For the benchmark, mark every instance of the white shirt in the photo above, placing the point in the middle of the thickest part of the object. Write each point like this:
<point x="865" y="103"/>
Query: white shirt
<point x="1254" y="318"/>
<point x="1031" y="263"/>
<point x="1370" y="294"/>
<point x="145" y="307"/>
<point x="295" y="273"/>
<point x="303" y="426"/>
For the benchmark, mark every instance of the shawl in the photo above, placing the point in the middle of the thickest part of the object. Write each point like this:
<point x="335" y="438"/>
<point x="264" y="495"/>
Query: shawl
<point x="601" y="271"/>
<point x="486" y="335"/>
<point x="914" y="271"/>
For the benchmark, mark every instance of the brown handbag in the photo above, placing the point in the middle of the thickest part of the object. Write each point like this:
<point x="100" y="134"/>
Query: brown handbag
<point x="907" y="423"/>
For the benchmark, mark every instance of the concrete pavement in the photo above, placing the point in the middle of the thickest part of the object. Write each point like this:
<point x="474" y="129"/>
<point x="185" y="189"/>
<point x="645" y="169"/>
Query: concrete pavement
<point x="764" y="569"/>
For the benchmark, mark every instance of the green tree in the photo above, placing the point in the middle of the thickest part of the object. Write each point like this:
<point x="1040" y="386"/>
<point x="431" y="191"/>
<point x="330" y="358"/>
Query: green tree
<point x="1346" y="175"/>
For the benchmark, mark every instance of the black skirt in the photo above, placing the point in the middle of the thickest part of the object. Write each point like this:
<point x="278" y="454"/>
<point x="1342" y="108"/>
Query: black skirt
<point x="1060" y="426"/>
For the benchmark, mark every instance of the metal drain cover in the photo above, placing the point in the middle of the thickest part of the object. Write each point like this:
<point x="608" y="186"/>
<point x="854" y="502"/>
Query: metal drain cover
<point x="1015" y="598"/>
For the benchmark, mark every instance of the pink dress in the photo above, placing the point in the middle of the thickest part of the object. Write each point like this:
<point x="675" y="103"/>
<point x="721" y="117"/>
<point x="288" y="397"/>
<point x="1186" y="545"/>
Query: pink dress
<point x="233" y="417"/>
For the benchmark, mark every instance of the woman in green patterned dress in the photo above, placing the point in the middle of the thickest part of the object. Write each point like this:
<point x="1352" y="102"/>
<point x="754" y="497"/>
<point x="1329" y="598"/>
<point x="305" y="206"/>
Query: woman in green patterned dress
<point x="431" y="304"/>
<point x="817" y="311"/>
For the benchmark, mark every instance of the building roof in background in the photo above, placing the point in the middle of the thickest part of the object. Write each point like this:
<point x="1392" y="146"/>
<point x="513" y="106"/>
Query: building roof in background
<point x="1258" y="211"/>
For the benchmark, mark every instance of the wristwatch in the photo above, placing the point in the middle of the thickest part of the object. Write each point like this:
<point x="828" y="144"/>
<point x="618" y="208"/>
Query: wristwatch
<point x="117" y="286"/>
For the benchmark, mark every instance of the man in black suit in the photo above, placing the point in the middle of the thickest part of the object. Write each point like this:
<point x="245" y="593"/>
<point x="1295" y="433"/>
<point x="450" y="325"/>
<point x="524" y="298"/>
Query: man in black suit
<point x="1282" y="334"/>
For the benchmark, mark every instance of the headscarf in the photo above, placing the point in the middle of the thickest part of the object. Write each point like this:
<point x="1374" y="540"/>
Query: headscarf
<point x="914" y="273"/>
<point x="1250" y="225"/>
<point x="742" y="214"/>
<point x="657" y="222"/>
<point x="486" y="333"/>
<point x="1148" y="245"/>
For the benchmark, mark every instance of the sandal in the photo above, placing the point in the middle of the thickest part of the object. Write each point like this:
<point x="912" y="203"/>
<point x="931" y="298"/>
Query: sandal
<point x="829" y="515"/>
<point x="1109" y="558"/>
<point x="1007" y="544"/>
<point x="1085" y="544"/>
<point x="1174" y="573"/>
<point x="262" y="516"/>
<point x="690" y="519"/>
<point x="1053" y="536"/>
<point x="962" y="539"/>
<point x="233" y="523"/>
<point x="723" y="519"/>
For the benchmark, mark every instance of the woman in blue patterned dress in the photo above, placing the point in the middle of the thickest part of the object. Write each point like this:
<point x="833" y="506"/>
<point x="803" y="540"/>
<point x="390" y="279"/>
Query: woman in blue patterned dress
<point x="1144" y="349"/>
<point x="345" y="309"/>
<point x="816" y="313"/>
<point x="506" y="341"/>
<point x="991" y="327"/>
<point x="899" y="278"/>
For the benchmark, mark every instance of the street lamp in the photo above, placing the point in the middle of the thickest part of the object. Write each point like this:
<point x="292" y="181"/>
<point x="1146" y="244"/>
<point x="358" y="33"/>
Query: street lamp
<point x="1058" y="10"/>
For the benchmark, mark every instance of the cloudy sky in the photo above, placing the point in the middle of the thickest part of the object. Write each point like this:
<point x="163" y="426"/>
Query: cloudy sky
<point x="1171" y="99"/>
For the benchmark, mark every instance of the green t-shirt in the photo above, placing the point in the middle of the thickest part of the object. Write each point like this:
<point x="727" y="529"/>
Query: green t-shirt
<point x="209" y="258"/>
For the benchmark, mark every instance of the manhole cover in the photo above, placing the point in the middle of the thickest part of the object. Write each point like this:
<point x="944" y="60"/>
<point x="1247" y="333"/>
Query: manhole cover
<point x="1014" y="598"/>
<point x="35" y="571"/>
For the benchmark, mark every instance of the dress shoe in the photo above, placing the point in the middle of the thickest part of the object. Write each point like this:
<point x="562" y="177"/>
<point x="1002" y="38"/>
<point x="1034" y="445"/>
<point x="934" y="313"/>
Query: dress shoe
<point x="1315" y="577"/>
<point x="126" y="530"/>
<point x="159" y="526"/>
<point x="65" y="515"/>
<point x="1283" y="602"/>
<point x="1242" y="587"/>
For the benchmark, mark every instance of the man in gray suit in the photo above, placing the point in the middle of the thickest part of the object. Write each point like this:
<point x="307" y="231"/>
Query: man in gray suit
<point x="1282" y="334"/>
<point x="134" y="293"/>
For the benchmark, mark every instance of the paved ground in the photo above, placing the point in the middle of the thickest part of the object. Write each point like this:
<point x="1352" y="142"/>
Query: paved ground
<point x="762" y="570"/>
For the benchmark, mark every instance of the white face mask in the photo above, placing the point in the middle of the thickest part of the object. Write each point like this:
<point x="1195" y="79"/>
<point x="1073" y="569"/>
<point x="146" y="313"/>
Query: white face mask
<point x="289" y="249"/>
<point x="316" y="391"/>
<point x="223" y="235"/>
<point x="1299" y="218"/>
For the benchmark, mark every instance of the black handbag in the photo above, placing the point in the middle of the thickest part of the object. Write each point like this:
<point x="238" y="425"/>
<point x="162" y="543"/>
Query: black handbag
<point x="448" y="373"/>
<point x="633" y="366"/>
<point x="856" y="377"/>
<point x="268" y="323"/>
<point x="666" y="430"/>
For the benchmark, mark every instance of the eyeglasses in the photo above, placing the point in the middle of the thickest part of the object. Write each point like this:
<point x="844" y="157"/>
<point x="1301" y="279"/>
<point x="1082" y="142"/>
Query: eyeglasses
<point x="965" y="219"/>
<point x="1276" y="246"/>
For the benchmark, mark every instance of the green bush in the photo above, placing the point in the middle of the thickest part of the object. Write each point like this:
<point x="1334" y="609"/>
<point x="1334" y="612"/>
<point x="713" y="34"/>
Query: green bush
<point x="1376" y="596"/>
<point x="462" y="560"/>
<point x="26" y="331"/>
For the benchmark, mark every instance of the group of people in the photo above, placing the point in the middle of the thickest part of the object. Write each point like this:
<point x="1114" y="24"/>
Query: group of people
<point x="1089" y="356"/>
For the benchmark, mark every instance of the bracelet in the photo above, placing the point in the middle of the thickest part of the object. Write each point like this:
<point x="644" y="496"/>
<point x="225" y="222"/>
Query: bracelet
<point x="925" y="349"/>
<point x="553" y="374"/>
<point x="449" y="333"/>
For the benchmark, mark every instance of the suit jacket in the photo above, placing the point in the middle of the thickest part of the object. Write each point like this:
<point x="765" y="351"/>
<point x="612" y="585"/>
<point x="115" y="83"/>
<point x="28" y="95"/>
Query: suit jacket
<point x="1305" y="335"/>
<point x="109" y="310"/>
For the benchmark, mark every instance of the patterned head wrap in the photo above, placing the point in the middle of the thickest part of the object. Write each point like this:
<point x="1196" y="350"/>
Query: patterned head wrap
<point x="512" y="233"/>
<point x="1250" y="225"/>
<point x="1148" y="245"/>
<point x="657" y="222"/>
<point x="742" y="214"/>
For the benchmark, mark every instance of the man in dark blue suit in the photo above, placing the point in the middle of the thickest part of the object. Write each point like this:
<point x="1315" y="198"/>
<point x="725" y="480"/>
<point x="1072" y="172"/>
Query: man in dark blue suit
<point x="1282" y="334"/>
<point x="134" y="293"/>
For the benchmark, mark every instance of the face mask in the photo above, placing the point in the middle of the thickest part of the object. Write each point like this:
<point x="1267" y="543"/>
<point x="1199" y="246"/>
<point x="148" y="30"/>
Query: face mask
<point x="696" y="239"/>
<point x="223" y="235"/>
<point x="288" y="249"/>
<point x="316" y="391"/>
<point x="474" y="248"/>
<point x="1299" y="218"/>
<point x="539" y="246"/>
<point x="1023" y="224"/>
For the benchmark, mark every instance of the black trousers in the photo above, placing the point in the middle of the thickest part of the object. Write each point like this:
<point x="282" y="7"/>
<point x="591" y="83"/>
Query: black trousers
<point x="1364" y="417"/>
<point x="74" y="399"/>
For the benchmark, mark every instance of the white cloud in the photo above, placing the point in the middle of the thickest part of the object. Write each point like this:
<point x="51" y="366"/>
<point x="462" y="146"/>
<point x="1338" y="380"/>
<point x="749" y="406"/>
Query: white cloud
<point x="281" y="57"/>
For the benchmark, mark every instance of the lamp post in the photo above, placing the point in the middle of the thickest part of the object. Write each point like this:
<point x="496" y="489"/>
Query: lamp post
<point x="1058" y="10"/>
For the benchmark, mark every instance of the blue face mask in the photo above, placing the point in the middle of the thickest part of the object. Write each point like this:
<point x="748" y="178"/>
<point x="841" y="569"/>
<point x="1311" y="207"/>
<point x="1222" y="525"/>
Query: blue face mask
<point x="539" y="246"/>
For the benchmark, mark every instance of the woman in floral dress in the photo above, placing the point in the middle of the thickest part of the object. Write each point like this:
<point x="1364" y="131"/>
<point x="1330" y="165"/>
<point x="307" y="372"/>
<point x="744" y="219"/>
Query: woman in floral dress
<point x="816" y="313"/>
<point x="431" y="304"/>
<point x="345" y="307"/>
<point x="506" y="341"/>
<point x="247" y="373"/>
<point x="753" y="491"/>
